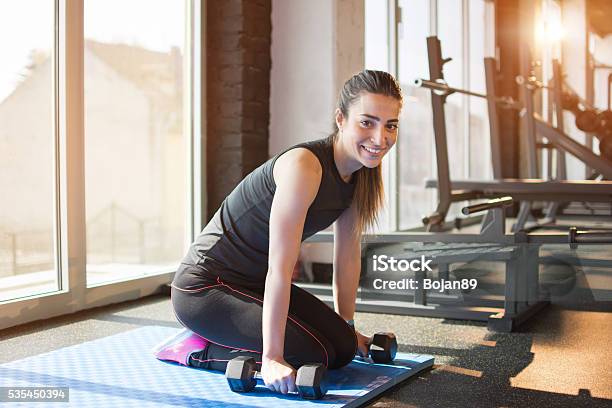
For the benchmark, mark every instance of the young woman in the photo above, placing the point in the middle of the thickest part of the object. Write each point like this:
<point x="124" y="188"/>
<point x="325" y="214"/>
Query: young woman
<point x="234" y="286"/>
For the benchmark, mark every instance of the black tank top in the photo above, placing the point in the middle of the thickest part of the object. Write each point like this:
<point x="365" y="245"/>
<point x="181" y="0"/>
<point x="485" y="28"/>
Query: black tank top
<point x="234" y="245"/>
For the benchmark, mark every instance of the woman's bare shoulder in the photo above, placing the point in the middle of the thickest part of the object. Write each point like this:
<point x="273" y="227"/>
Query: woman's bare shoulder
<point x="298" y="162"/>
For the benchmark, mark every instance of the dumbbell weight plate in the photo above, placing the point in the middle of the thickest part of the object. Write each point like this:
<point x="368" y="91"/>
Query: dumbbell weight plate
<point x="309" y="381"/>
<point x="605" y="116"/>
<point x="587" y="120"/>
<point x="604" y="122"/>
<point x="383" y="348"/>
<point x="569" y="101"/>
<point x="240" y="374"/>
<point x="605" y="148"/>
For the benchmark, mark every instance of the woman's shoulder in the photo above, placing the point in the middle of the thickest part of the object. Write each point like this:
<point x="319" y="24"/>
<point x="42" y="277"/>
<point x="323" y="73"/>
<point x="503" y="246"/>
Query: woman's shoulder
<point x="299" y="168"/>
<point x="298" y="159"/>
<point x="306" y="158"/>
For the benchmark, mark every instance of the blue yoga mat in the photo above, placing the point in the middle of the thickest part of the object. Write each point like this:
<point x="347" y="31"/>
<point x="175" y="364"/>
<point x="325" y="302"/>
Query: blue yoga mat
<point x="119" y="371"/>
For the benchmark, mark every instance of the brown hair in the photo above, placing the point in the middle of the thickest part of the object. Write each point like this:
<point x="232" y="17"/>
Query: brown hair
<point x="369" y="190"/>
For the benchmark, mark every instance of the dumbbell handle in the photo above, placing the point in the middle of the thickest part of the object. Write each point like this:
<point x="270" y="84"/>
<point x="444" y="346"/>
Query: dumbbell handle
<point x="256" y="375"/>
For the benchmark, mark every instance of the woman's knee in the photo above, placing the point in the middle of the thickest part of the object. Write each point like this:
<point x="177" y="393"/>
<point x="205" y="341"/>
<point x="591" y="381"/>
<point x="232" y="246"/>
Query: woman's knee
<point x="345" y="348"/>
<point x="345" y="352"/>
<point x="305" y="345"/>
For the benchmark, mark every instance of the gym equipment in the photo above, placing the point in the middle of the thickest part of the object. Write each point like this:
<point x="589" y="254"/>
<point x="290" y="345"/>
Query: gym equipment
<point x="576" y="236"/>
<point x="496" y="202"/>
<point x="609" y="93"/>
<point x="525" y="191"/>
<point x="570" y="101"/>
<point x="383" y="347"/>
<point x="589" y="120"/>
<point x="241" y="375"/>
<point x="535" y="189"/>
<point x="521" y="294"/>
<point x="117" y="371"/>
<point x="441" y="88"/>
<point x="605" y="147"/>
<point x="604" y="122"/>
<point x="520" y="298"/>
<point x="586" y="120"/>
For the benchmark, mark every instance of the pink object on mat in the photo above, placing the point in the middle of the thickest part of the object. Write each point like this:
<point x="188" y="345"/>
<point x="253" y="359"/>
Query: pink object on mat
<point x="179" y="347"/>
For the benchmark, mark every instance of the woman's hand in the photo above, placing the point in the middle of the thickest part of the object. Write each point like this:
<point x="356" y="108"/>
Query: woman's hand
<point x="363" y="344"/>
<point x="278" y="375"/>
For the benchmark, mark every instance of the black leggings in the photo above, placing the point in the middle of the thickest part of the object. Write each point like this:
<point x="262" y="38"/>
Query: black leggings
<point x="230" y="318"/>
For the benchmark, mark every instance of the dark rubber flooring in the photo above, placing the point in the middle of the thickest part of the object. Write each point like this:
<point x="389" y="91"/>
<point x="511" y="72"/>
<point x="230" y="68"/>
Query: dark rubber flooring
<point x="561" y="358"/>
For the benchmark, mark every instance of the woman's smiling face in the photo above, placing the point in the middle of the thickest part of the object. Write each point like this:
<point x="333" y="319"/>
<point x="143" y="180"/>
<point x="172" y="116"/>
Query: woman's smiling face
<point x="370" y="129"/>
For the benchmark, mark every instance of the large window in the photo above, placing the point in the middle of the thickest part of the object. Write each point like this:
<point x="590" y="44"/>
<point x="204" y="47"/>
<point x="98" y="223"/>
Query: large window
<point x="100" y="151"/>
<point x="462" y="27"/>
<point x="135" y="151"/>
<point x="415" y="142"/>
<point x="27" y="144"/>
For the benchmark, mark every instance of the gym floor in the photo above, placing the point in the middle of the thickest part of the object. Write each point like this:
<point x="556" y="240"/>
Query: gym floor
<point x="561" y="358"/>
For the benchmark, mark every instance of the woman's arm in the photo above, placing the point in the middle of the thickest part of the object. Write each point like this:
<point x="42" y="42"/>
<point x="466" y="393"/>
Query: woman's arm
<point x="297" y="175"/>
<point x="347" y="262"/>
<point x="347" y="270"/>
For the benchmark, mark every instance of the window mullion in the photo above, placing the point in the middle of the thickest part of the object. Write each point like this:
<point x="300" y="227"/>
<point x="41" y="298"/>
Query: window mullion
<point x="71" y="163"/>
